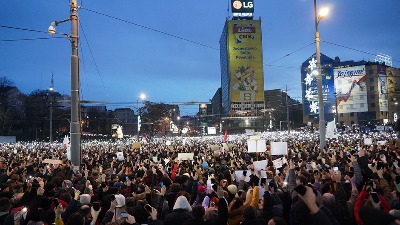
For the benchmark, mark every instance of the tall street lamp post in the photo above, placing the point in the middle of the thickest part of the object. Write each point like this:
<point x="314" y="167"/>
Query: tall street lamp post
<point x="75" y="129"/>
<point x="322" y="131"/>
<point x="51" y="89"/>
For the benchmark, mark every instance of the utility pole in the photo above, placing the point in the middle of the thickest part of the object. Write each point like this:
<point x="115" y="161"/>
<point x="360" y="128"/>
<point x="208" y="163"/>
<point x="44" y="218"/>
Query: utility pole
<point x="51" y="89"/>
<point x="287" y="111"/>
<point x="75" y="128"/>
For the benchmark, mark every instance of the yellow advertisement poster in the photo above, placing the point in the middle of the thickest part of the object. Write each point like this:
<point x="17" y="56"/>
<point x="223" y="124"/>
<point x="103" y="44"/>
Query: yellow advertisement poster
<point x="245" y="60"/>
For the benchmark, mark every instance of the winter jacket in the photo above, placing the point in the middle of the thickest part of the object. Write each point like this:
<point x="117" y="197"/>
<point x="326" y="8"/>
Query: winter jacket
<point x="180" y="213"/>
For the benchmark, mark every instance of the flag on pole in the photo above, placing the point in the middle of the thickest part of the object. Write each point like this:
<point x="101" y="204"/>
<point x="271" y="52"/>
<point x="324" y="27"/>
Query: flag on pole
<point x="225" y="136"/>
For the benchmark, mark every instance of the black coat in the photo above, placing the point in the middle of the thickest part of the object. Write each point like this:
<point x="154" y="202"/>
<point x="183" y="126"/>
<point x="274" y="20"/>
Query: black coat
<point x="177" y="217"/>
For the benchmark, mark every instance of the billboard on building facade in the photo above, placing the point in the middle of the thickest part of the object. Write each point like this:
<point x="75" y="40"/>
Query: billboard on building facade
<point x="393" y="80"/>
<point x="310" y="87"/>
<point x="245" y="61"/>
<point x="242" y="8"/>
<point x="351" y="89"/>
<point x="382" y="89"/>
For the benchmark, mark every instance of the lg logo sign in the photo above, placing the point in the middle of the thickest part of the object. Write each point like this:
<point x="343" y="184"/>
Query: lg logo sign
<point x="245" y="4"/>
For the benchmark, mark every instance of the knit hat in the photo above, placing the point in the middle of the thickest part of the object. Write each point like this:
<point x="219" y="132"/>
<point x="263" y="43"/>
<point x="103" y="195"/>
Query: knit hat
<point x="232" y="189"/>
<point x="201" y="189"/>
<point x="85" y="199"/>
<point x="120" y="200"/>
<point x="66" y="184"/>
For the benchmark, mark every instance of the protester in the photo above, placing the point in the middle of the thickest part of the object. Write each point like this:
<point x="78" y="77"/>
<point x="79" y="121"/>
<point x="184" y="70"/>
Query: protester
<point x="345" y="183"/>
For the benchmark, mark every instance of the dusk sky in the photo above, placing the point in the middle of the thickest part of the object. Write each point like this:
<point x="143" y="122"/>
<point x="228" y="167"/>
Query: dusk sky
<point x="169" y="50"/>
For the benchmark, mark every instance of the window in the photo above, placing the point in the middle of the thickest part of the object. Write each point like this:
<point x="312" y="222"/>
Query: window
<point x="372" y="105"/>
<point x="372" y="88"/>
<point x="351" y="114"/>
<point x="371" y="79"/>
<point x="372" y="96"/>
<point x="371" y="71"/>
<point x="362" y="105"/>
<point x="361" y="97"/>
<point x="352" y="122"/>
<point x="341" y="114"/>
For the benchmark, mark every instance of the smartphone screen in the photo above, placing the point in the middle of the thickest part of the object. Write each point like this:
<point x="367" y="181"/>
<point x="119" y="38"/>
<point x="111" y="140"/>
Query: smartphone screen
<point x="335" y="168"/>
<point x="263" y="181"/>
<point x="124" y="214"/>
<point x="375" y="197"/>
<point x="148" y="207"/>
<point x="301" y="190"/>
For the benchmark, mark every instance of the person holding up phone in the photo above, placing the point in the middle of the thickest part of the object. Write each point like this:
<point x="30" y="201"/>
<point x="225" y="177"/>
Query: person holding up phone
<point x="307" y="195"/>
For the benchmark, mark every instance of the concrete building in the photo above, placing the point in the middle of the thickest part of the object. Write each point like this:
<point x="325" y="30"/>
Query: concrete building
<point x="362" y="93"/>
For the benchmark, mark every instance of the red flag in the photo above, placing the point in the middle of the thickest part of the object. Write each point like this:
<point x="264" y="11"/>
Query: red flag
<point x="225" y="136"/>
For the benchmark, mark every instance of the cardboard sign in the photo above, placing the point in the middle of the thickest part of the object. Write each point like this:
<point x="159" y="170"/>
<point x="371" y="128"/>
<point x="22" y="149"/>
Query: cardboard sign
<point x="367" y="141"/>
<point x="53" y="161"/>
<point x="136" y="145"/>
<point x="260" y="165"/>
<point x="239" y="173"/>
<point x="214" y="147"/>
<point x="120" y="156"/>
<point x="226" y="147"/>
<point x="278" y="148"/>
<point x="170" y="147"/>
<point x="185" y="156"/>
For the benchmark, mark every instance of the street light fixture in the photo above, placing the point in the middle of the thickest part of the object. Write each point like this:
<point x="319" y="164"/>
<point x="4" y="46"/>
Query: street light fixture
<point x="75" y="131"/>
<point x="322" y="131"/>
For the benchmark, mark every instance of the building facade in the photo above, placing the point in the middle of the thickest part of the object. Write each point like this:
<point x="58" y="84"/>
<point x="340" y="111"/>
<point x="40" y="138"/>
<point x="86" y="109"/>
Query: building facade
<point x="362" y="93"/>
<point x="242" y="76"/>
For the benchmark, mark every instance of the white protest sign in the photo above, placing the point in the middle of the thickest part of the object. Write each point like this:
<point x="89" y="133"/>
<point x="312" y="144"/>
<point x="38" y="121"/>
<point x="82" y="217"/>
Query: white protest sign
<point x="261" y="145"/>
<point x="120" y="156"/>
<point x="381" y="142"/>
<point x="251" y="146"/>
<point x="255" y="137"/>
<point x="239" y="174"/>
<point x="256" y="145"/>
<point x="367" y="141"/>
<point x="277" y="163"/>
<point x="185" y="156"/>
<point x="260" y="165"/>
<point x="168" y="143"/>
<point x="278" y="148"/>
<point x="53" y="161"/>
<point x="166" y="161"/>
<point x="155" y="159"/>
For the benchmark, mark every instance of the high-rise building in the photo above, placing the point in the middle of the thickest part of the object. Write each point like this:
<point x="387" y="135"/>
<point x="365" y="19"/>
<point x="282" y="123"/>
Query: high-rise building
<point x="242" y="73"/>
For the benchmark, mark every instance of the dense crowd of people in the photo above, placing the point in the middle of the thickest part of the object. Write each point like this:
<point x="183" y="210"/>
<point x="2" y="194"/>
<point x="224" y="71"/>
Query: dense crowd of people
<point x="349" y="182"/>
